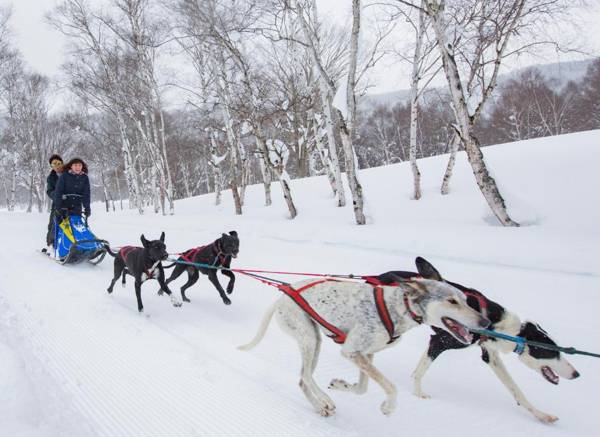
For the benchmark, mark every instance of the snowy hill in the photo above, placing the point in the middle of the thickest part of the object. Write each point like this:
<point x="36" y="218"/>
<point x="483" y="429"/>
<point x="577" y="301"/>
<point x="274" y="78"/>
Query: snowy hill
<point x="78" y="362"/>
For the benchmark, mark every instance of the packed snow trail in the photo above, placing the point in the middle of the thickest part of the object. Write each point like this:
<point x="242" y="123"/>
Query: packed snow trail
<point x="85" y="363"/>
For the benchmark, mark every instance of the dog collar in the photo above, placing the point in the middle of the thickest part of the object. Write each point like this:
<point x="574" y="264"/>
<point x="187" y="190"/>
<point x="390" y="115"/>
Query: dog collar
<point x="519" y="346"/>
<point x="417" y="318"/>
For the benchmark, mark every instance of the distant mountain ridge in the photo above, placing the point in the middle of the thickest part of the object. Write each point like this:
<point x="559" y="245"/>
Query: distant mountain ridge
<point x="557" y="74"/>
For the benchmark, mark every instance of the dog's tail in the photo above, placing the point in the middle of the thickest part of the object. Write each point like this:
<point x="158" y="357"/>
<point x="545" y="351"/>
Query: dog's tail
<point x="110" y="252"/>
<point x="264" y="324"/>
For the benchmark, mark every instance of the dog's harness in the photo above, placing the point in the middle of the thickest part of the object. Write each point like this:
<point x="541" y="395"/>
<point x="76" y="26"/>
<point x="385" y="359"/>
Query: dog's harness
<point x="380" y="307"/>
<point x="219" y="254"/>
<point x="190" y="255"/>
<point x="338" y="336"/>
<point x="124" y="253"/>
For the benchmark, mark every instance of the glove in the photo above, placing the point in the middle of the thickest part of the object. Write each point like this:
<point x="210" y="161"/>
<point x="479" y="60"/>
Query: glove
<point x="87" y="213"/>
<point x="62" y="214"/>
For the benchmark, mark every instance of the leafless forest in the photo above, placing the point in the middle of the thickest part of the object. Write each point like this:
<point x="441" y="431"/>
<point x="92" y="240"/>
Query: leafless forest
<point x="175" y="98"/>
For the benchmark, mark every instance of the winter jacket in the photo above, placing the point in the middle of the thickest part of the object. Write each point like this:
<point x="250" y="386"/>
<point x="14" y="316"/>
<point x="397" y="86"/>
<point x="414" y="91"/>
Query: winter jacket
<point x="51" y="184"/>
<point x="72" y="192"/>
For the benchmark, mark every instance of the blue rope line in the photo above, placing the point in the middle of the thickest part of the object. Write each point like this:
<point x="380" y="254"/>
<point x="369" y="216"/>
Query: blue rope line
<point x="521" y="342"/>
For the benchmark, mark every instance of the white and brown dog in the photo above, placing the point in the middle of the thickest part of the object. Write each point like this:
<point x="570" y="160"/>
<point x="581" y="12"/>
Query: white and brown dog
<point x="365" y="319"/>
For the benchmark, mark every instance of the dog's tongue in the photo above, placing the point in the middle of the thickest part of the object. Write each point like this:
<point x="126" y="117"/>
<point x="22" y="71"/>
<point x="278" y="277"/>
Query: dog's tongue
<point x="550" y="375"/>
<point x="464" y="332"/>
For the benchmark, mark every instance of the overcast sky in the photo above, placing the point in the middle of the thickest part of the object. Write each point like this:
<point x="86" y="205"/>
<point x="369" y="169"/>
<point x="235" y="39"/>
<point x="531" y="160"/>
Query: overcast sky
<point x="42" y="46"/>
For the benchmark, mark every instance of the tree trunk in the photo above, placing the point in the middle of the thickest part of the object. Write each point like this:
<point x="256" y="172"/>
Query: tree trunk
<point x="414" y="105"/>
<point x="351" y="173"/>
<point x="327" y="165"/>
<point x="105" y="190"/>
<point x="450" y="168"/>
<point x="486" y="183"/>
<point x="331" y="143"/>
<point x="264" y="171"/>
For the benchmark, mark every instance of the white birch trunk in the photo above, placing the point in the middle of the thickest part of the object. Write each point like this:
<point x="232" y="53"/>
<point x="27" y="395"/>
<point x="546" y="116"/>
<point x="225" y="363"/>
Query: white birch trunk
<point x="450" y="167"/>
<point x="485" y="181"/>
<point x="131" y="174"/>
<point x="332" y="146"/>
<point x="347" y="127"/>
<point x="280" y="173"/>
<point x="327" y="93"/>
<point x="327" y="165"/>
<point x="216" y="169"/>
<point x="264" y="171"/>
<point x="414" y="105"/>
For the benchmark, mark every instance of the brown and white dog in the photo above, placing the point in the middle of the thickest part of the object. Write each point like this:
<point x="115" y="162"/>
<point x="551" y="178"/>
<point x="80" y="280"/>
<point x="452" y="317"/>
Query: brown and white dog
<point x="354" y="313"/>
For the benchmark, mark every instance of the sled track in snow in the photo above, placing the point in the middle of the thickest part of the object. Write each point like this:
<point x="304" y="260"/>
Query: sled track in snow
<point x="156" y="384"/>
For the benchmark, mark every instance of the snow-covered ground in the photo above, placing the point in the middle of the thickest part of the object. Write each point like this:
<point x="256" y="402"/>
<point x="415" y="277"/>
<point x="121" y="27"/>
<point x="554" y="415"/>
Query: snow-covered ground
<point x="75" y="361"/>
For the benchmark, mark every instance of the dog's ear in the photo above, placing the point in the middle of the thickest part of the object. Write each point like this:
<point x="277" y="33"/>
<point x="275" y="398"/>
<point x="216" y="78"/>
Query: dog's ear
<point x="415" y="290"/>
<point x="162" y="237"/>
<point x="144" y="241"/>
<point x="426" y="270"/>
<point x="233" y="233"/>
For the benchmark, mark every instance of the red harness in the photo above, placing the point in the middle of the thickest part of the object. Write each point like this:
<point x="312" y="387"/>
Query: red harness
<point x="417" y="318"/>
<point x="126" y="250"/>
<point x="339" y="336"/>
<point x="191" y="254"/>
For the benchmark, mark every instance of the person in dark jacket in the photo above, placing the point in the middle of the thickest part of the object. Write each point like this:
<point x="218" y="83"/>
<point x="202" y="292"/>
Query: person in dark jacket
<point x="56" y="163"/>
<point x="72" y="194"/>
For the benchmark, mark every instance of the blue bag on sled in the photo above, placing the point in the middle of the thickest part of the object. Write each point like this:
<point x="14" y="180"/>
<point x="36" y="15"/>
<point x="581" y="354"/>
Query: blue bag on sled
<point x="74" y="242"/>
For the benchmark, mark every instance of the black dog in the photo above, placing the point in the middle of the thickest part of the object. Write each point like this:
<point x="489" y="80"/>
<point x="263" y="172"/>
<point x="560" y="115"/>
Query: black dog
<point x="142" y="263"/>
<point x="549" y="363"/>
<point x="217" y="254"/>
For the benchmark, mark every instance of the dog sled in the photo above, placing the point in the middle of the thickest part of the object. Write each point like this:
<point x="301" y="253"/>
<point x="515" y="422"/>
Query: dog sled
<point x="74" y="242"/>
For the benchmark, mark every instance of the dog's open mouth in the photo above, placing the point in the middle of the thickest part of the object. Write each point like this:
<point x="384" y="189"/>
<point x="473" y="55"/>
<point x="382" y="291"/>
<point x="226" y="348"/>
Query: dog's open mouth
<point x="459" y="331"/>
<point x="550" y="375"/>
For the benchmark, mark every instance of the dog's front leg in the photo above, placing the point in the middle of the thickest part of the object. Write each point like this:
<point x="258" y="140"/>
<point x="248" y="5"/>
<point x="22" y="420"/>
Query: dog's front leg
<point x="212" y="276"/>
<point x="358" y="388"/>
<point x="498" y="367"/>
<point x="138" y="293"/>
<point x="418" y="374"/>
<point x="164" y="287"/>
<point x="363" y="363"/>
<point x="231" y="277"/>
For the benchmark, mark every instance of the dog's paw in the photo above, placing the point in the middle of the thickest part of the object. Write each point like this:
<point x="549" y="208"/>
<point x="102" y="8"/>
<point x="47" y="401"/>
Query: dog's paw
<point x="340" y="384"/>
<point x="226" y="301"/>
<point x="327" y="408"/>
<point x="229" y="289"/>
<point x="388" y="407"/>
<point x="546" y="418"/>
<point x="422" y="395"/>
<point x="160" y="292"/>
<point x="176" y="302"/>
<point x="123" y="284"/>
<point x="109" y="290"/>
<point x="185" y="299"/>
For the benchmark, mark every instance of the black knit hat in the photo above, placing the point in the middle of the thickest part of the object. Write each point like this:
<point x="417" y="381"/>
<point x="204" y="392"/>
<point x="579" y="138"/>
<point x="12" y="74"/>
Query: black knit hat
<point x="53" y="157"/>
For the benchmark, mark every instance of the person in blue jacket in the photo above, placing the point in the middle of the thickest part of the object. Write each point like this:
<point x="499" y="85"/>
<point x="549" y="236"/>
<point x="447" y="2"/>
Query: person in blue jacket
<point x="56" y="163"/>
<point x="72" y="194"/>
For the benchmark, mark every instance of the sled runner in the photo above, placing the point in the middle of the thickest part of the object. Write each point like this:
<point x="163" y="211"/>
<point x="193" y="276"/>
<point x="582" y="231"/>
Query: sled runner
<point x="74" y="242"/>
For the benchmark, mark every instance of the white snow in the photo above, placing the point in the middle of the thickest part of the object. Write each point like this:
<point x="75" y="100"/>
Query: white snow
<point x="75" y="361"/>
<point x="340" y="100"/>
